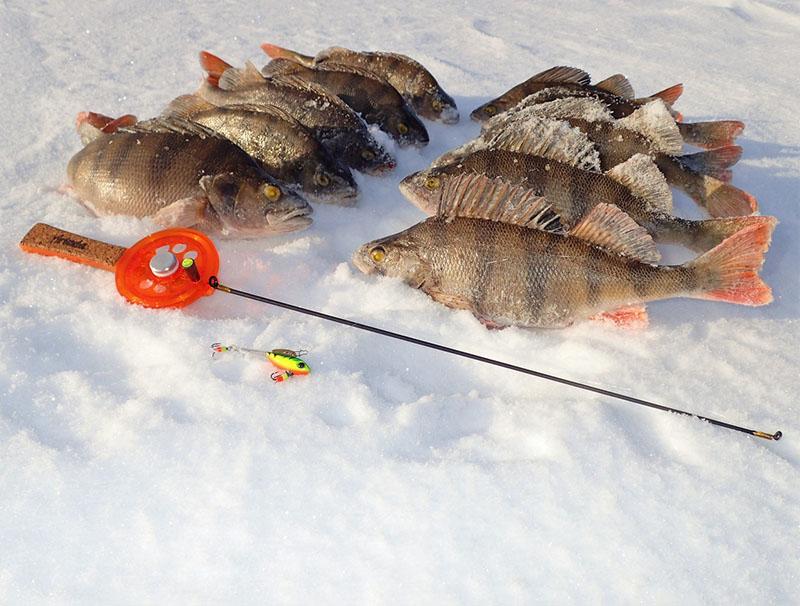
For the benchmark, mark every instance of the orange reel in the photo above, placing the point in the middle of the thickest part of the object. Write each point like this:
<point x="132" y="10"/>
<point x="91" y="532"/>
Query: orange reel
<point x="150" y="272"/>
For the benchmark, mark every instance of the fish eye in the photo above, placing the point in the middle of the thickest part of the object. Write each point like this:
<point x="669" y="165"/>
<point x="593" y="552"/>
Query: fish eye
<point x="432" y="183"/>
<point x="377" y="254"/>
<point x="322" y="180"/>
<point x="368" y="154"/>
<point x="436" y="105"/>
<point x="490" y="110"/>
<point x="272" y="192"/>
<point x="301" y="365"/>
<point x="402" y="128"/>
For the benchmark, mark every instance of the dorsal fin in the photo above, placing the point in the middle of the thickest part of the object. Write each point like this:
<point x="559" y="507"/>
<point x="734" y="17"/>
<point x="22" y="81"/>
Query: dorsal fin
<point x="641" y="176"/>
<point x="655" y="122"/>
<point x="617" y="85"/>
<point x="551" y="139"/>
<point x="477" y="196"/>
<point x="613" y="230"/>
<point x="186" y="106"/>
<point x="584" y="108"/>
<point x="562" y="73"/>
<point x="246" y="77"/>
<point x="172" y="125"/>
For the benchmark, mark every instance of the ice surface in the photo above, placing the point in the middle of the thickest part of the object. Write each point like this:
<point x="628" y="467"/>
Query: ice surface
<point x="134" y="469"/>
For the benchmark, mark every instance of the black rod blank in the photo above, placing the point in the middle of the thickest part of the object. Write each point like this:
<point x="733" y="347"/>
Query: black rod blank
<point x="214" y="283"/>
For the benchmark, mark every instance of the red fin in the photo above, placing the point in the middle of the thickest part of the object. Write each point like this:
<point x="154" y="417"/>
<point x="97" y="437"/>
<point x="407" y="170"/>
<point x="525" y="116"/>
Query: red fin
<point x="715" y="162"/>
<point x="214" y="66"/>
<point x="711" y="135"/>
<point x="121" y="122"/>
<point x="99" y="121"/>
<point x="732" y="266"/>
<point x="670" y="95"/>
<point x="634" y="316"/>
<point x="725" y="200"/>
<point x="275" y="52"/>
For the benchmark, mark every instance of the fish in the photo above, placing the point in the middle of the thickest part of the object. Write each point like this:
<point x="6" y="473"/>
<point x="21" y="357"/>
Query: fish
<point x="182" y="174"/>
<point x="285" y="148"/>
<point x="650" y="130"/>
<point x="328" y="118"/>
<point x="407" y="76"/>
<point x="501" y="178"/>
<point x="605" y="267"/>
<point x="708" y="135"/>
<point x="376" y="101"/>
<point x="615" y="91"/>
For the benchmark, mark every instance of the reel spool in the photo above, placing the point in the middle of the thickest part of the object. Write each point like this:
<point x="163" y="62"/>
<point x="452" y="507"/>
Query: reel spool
<point x="150" y="272"/>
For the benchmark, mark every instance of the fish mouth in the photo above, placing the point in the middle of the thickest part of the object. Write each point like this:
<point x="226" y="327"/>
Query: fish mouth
<point x="449" y="115"/>
<point x="380" y="169"/>
<point x="477" y="115"/>
<point x="293" y="220"/>
<point x="346" y="196"/>
<point x="359" y="260"/>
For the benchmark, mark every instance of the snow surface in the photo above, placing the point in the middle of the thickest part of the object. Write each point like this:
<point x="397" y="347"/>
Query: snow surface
<point x="134" y="469"/>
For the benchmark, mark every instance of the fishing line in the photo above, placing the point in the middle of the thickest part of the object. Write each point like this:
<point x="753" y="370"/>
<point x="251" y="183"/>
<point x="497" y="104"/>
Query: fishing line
<point x="215" y="284"/>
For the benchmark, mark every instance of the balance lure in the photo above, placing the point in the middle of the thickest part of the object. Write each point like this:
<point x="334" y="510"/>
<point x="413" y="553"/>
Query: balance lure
<point x="287" y="360"/>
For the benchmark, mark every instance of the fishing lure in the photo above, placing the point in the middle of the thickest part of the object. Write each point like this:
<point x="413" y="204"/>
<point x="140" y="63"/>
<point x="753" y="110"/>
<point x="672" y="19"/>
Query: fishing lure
<point x="287" y="360"/>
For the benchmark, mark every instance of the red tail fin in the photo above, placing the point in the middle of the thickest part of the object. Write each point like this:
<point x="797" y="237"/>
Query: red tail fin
<point x="725" y="200"/>
<point x="710" y="135"/>
<point x="731" y="268"/>
<point x="715" y="162"/>
<point x="670" y="95"/>
<point x="214" y="66"/>
<point x="275" y="52"/>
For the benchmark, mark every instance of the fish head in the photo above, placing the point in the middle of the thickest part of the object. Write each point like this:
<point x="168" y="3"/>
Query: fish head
<point x="397" y="256"/>
<point x="254" y="207"/>
<point x="490" y="109"/>
<point x="424" y="189"/>
<point x="436" y="105"/>
<point x="407" y="129"/>
<point x="369" y="157"/>
<point x="330" y="184"/>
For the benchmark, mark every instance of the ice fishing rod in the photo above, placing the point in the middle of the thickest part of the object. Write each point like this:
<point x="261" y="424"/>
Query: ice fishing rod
<point x="175" y="267"/>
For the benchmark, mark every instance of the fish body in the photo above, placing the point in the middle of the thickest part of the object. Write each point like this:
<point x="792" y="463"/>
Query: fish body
<point x="571" y="192"/>
<point x="511" y="275"/>
<point x="285" y="148"/>
<point x="328" y="118"/>
<point x="375" y="100"/>
<point x="407" y="76"/>
<point x="184" y="175"/>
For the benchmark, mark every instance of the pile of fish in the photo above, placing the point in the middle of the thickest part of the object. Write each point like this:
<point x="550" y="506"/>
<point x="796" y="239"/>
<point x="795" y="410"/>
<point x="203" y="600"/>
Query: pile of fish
<point x="242" y="155"/>
<point x="552" y="213"/>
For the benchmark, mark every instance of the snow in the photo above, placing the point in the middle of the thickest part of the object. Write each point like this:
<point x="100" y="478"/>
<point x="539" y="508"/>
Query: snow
<point x="135" y="469"/>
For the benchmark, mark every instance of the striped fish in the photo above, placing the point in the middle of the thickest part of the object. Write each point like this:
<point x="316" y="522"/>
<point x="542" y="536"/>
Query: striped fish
<point x="182" y="174"/>
<point x="372" y="98"/>
<point x="284" y="147"/>
<point x="330" y="120"/>
<point x="636" y="187"/>
<point x="408" y="77"/>
<point x="508" y="274"/>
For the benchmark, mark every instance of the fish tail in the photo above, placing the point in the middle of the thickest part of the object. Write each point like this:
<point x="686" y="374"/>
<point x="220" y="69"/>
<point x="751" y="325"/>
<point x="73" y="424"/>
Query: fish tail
<point x="214" y="67"/>
<point x="278" y="52"/>
<point x="715" y="162"/>
<point x="729" y="271"/>
<point x="710" y="135"/>
<point x="91" y="125"/>
<point x="668" y="95"/>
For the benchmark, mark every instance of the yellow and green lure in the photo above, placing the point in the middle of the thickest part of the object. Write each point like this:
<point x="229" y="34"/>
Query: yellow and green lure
<point x="287" y="360"/>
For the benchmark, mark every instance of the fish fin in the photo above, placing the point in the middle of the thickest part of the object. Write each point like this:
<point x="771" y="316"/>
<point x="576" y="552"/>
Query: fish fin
<point x="562" y="73"/>
<point x="633" y="316"/>
<point x="488" y="322"/>
<point x="724" y="200"/>
<point x="122" y="122"/>
<point x="731" y="268"/>
<point x="546" y="138"/>
<point x="715" y="162"/>
<point x="186" y="106"/>
<point x="477" y="196"/>
<point x="641" y="176"/>
<point x="182" y="213"/>
<point x="654" y="121"/>
<point x="281" y="67"/>
<point x="711" y="135"/>
<point x="214" y="67"/>
<point x="584" y="108"/>
<point x="669" y="95"/>
<point x="246" y="77"/>
<point x="173" y="124"/>
<point x="617" y="85"/>
<point x="613" y="230"/>
<point x="90" y="125"/>
<point x="274" y="52"/>
<point x="447" y="299"/>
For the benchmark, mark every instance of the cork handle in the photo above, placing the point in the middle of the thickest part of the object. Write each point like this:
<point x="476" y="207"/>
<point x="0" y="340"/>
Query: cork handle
<point x="47" y="240"/>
